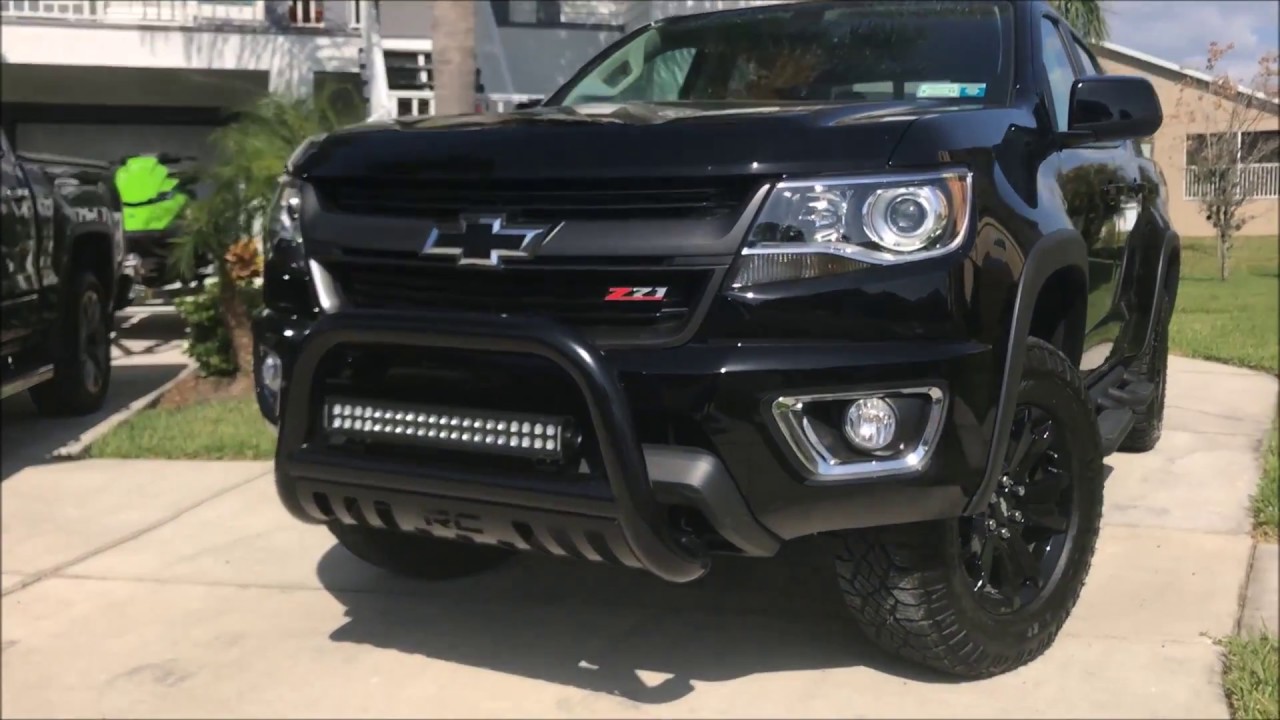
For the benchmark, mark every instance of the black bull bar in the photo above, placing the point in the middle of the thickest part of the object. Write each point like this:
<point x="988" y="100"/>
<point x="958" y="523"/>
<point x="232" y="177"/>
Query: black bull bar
<point x="643" y="521"/>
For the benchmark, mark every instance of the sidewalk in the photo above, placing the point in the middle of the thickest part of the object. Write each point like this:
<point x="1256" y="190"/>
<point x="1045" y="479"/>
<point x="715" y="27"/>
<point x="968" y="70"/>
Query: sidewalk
<point x="150" y="589"/>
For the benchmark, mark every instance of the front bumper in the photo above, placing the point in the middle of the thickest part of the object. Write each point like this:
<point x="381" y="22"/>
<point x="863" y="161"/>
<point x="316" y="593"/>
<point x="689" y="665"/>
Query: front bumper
<point x="629" y="525"/>
<point x="723" y="456"/>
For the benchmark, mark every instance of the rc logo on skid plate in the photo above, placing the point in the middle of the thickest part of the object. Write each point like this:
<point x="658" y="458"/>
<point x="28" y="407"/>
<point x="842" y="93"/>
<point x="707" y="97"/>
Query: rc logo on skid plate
<point x="485" y="239"/>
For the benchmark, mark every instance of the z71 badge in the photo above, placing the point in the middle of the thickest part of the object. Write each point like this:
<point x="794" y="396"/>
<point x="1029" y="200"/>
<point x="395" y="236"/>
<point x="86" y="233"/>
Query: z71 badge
<point x="636" y="294"/>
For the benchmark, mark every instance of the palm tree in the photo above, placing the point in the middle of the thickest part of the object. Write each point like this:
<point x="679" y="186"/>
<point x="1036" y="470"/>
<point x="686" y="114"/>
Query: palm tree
<point x="380" y="105"/>
<point x="1086" y="16"/>
<point x="248" y="157"/>
<point x="453" y="55"/>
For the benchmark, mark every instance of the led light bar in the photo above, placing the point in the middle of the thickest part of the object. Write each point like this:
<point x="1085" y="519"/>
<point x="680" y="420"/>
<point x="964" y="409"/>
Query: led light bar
<point x="481" y="431"/>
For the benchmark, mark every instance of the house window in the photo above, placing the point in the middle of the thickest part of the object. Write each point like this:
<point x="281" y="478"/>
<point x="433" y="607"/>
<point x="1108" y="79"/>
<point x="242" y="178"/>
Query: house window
<point x="1253" y="157"/>
<point x="408" y="70"/>
<point x="413" y="104"/>
<point x="583" y="14"/>
<point x="1260" y="147"/>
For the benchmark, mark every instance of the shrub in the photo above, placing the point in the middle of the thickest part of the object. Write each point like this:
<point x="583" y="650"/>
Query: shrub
<point x="208" y="341"/>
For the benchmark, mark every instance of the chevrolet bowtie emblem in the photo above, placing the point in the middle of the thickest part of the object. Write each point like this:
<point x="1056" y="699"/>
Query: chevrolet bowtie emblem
<point x="485" y="240"/>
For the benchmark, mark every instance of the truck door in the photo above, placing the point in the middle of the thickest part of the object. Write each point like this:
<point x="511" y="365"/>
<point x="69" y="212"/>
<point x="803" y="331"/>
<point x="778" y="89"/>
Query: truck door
<point x="1137" y="231"/>
<point x="1099" y="187"/>
<point x="18" y="230"/>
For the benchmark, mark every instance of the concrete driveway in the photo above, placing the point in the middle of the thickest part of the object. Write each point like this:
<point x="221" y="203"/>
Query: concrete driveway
<point x="183" y="590"/>
<point x="146" y="353"/>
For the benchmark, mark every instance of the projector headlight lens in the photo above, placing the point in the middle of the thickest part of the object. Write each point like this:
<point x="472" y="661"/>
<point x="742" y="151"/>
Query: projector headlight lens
<point x="819" y="227"/>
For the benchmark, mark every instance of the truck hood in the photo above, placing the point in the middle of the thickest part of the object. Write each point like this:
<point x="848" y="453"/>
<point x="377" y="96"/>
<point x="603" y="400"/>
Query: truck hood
<point x="631" y="140"/>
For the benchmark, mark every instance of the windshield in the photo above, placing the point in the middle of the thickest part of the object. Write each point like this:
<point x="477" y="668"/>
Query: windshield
<point x="812" y="53"/>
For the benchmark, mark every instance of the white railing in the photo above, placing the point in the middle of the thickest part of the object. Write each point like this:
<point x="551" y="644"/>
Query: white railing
<point x="145" y="12"/>
<point x="1261" y="180"/>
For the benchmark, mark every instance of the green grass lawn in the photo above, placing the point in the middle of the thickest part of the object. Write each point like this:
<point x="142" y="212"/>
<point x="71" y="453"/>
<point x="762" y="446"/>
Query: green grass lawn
<point x="225" y="429"/>
<point x="1249" y="676"/>
<point x="1266" y="502"/>
<point x="1231" y="322"/>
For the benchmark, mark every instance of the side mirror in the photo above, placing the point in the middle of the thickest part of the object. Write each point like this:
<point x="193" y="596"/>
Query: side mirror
<point x="1107" y="108"/>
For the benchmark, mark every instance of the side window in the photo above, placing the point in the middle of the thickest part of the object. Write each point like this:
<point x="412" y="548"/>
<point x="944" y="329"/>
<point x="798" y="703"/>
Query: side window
<point x="1057" y="66"/>
<point x="1090" y="65"/>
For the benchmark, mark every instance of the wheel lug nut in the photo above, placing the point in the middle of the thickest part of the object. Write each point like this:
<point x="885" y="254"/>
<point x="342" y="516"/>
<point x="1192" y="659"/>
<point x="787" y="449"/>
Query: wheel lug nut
<point x="1005" y="481"/>
<point x="1016" y="515"/>
<point x="1019" y="491"/>
<point x="1004" y="532"/>
<point x="991" y="524"/>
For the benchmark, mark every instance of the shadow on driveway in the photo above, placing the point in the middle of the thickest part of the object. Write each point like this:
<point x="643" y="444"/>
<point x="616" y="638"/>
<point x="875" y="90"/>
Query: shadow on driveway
<point x="146" y="354"/>
<point x="592" y="627"/>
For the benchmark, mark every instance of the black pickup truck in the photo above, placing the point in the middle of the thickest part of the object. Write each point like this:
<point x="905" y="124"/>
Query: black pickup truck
<point x="64" y="278"/>
<point x="892" y="273"/>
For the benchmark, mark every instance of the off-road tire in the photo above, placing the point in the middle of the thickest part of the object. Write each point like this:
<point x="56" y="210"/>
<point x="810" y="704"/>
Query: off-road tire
<point x="71" y="391"/>
<point x="1153" y="365"/>
<point x="420" y="557"/>
<point x="906" y="586"/>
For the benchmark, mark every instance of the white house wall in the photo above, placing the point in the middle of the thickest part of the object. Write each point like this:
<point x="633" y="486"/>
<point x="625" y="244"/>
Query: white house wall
<point x="289" y="58"/>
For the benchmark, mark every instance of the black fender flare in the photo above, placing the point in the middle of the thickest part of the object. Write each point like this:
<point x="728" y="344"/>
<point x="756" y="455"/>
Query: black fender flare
<point x="86" y="232"/>
<point x="1057" y="250"/>
<point x="1171" y="244"/>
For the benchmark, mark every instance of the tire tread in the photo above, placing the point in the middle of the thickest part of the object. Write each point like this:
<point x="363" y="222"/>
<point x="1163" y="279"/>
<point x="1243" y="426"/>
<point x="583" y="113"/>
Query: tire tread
<point x="897" y="581"/>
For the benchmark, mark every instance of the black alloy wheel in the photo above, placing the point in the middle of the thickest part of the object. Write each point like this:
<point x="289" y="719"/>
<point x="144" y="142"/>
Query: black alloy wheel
<point x="94" y="350"/>
<point x="1016" y="547"/>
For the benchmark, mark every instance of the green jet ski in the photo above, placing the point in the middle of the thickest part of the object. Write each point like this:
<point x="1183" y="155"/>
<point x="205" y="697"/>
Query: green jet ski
<point x="155" y="190"/>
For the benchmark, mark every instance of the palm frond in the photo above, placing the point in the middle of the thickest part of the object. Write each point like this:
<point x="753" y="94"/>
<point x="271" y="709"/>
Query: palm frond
<point x="1088" y="17"/>
<point x="249" y="155"/>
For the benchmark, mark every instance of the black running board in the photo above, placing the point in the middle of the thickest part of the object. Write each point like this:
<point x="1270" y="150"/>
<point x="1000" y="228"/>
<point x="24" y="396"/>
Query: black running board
<point x="1113" y="426"/>
<point x="27" y="380"/>
<point x="1115" y="398"/>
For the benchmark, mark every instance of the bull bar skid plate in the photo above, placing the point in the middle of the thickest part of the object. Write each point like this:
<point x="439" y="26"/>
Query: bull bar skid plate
<point x="652" y="541"/>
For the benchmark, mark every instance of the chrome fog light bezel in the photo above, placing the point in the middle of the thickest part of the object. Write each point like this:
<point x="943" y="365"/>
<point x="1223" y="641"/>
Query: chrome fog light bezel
<point x="790" y="420"/>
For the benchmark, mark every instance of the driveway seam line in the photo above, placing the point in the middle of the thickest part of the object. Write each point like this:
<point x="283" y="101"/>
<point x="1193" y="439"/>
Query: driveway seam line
<point x="1243" y="598"/>
<point x="36" y="577"/>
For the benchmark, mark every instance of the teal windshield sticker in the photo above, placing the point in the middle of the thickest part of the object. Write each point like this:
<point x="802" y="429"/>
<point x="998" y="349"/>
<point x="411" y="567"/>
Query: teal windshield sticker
<point x="951" y="90"/>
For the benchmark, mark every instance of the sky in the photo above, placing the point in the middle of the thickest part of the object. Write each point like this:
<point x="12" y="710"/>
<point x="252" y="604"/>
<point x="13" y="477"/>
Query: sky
<point x="1180" y="30"/>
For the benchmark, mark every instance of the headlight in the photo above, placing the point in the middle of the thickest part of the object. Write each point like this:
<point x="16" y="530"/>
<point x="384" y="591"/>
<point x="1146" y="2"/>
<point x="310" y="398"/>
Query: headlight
<point x="812" y="228"/>
<point x="284" y="216"/>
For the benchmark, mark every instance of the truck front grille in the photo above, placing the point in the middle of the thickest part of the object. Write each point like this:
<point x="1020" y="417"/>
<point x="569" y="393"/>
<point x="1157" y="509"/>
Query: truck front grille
<point x="542" y="200"/>
<point x="576" y="296"/>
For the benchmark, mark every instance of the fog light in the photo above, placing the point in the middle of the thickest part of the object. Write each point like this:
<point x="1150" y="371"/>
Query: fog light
<point x="272" y="371"/>
<point x="870" y="423"/>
